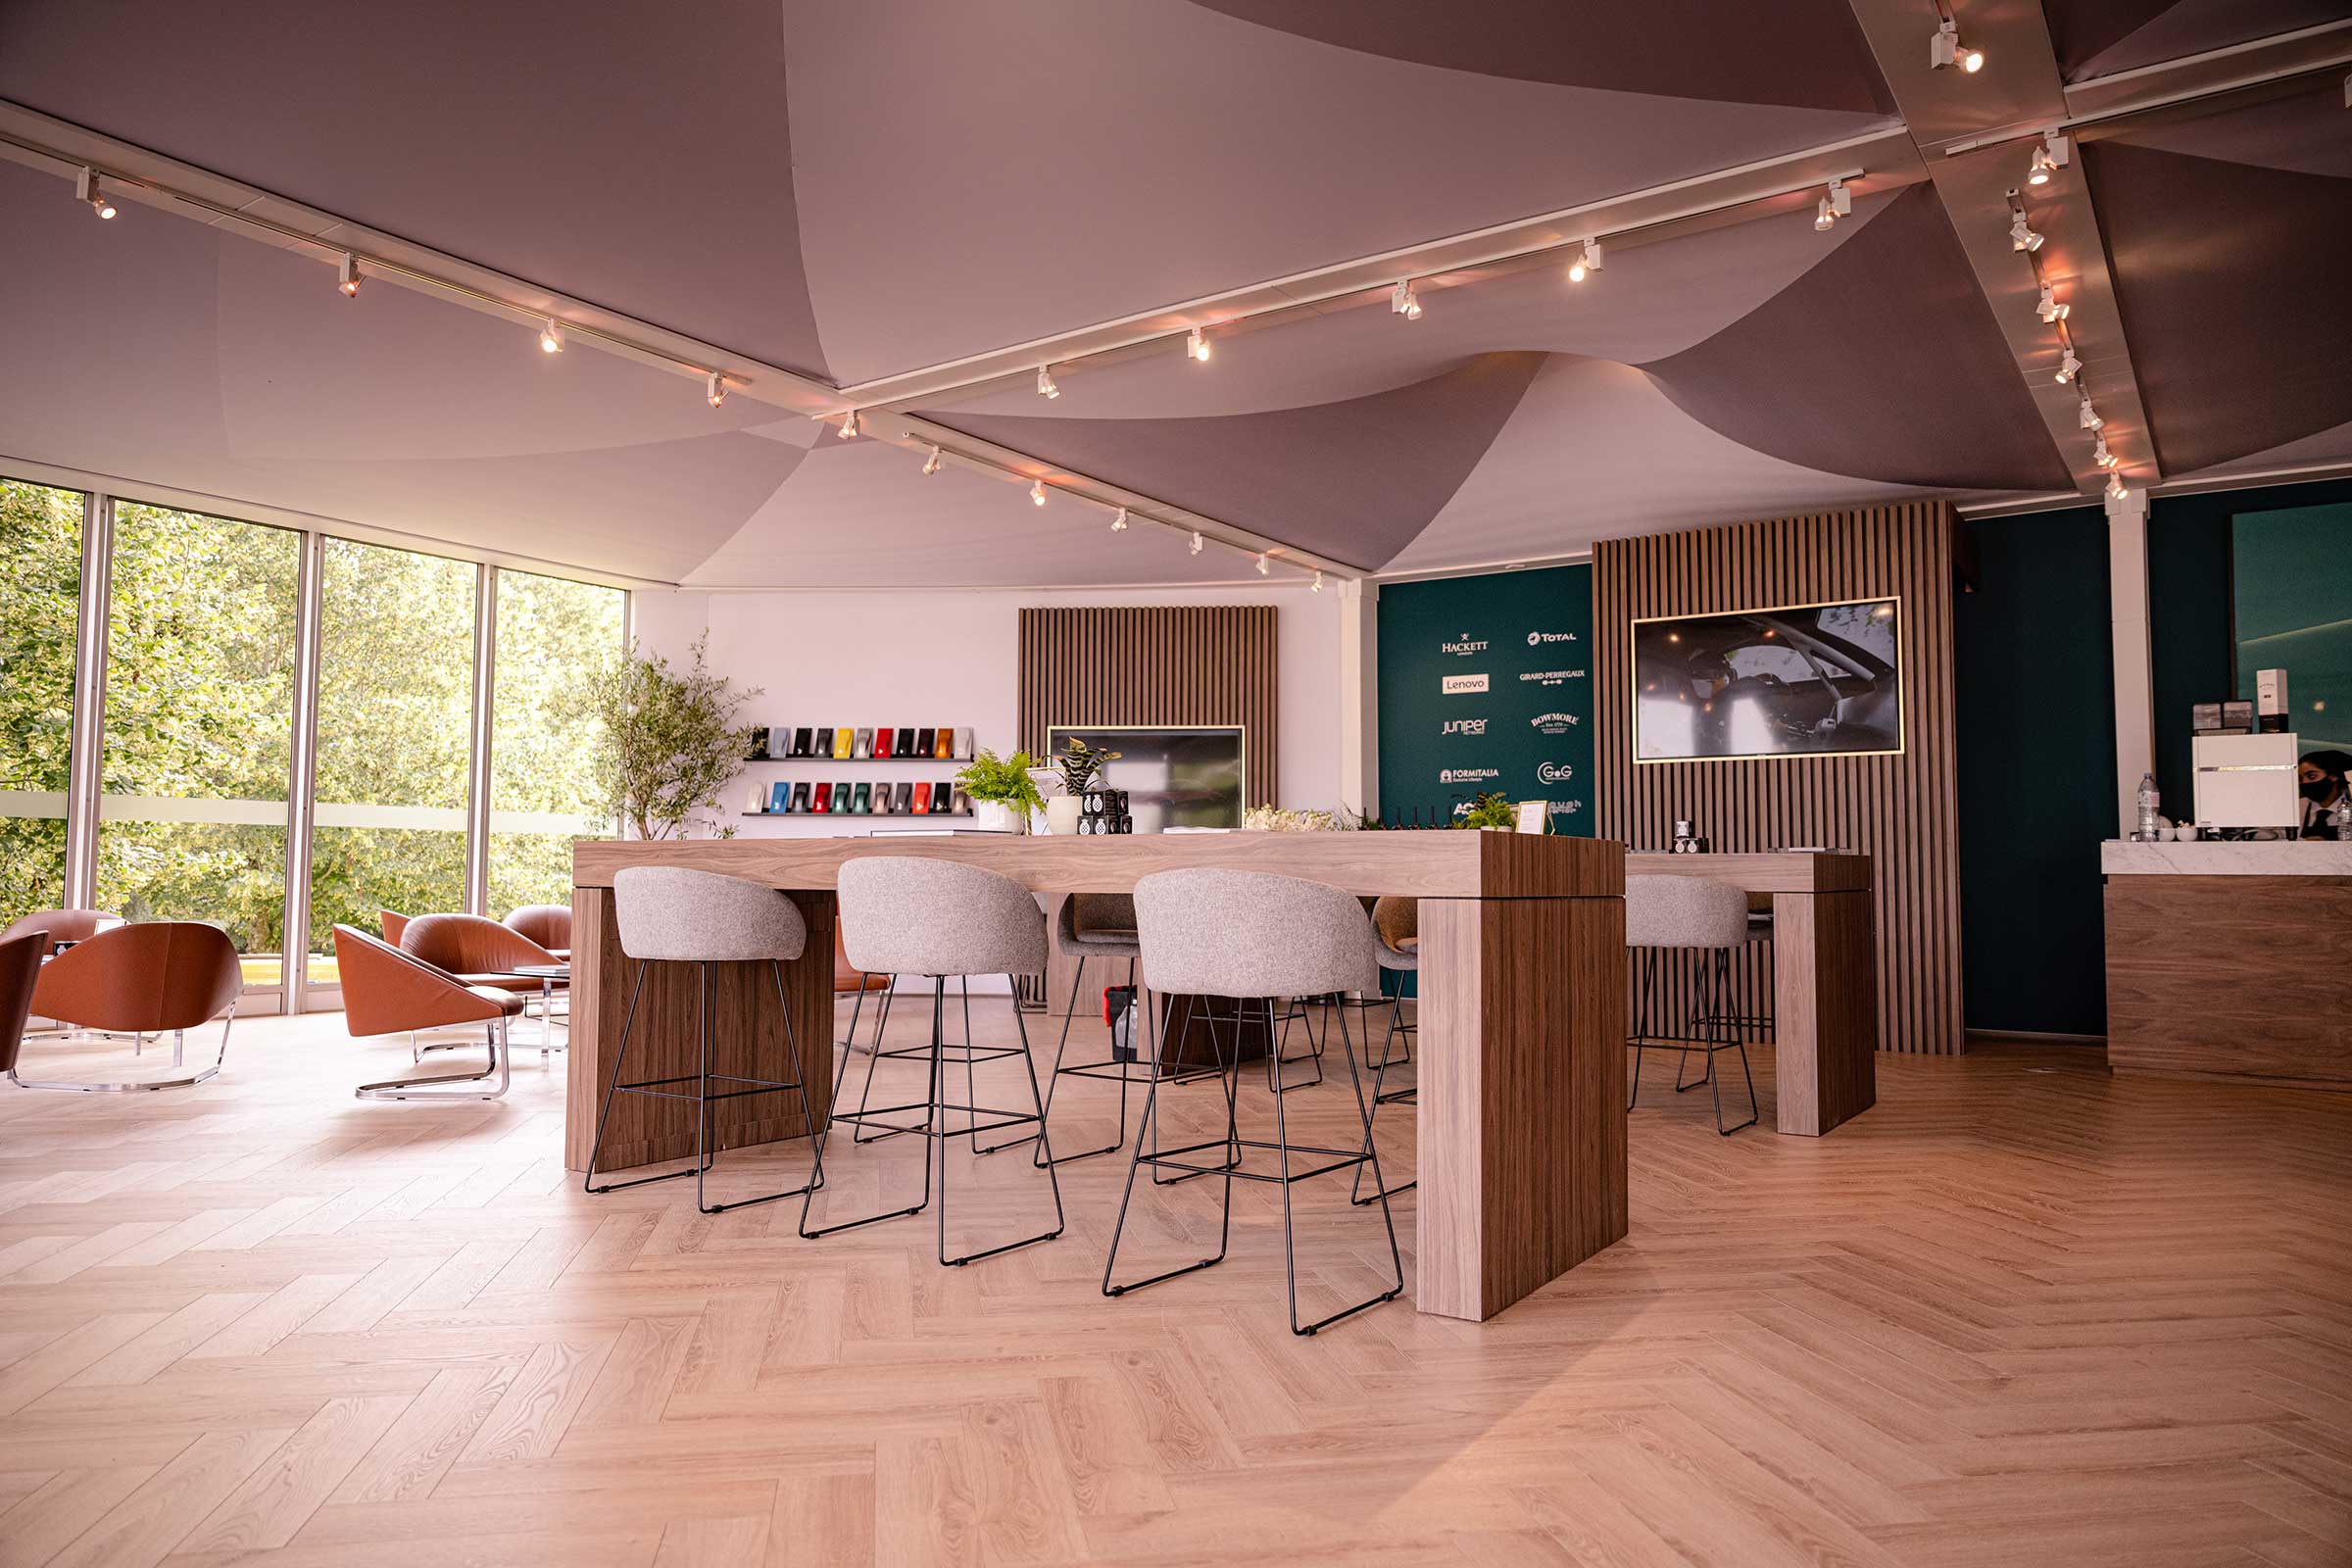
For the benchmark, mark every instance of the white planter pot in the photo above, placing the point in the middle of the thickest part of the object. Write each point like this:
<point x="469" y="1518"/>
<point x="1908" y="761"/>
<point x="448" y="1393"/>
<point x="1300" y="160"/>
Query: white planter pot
<point x="1062" y="812"/>
<point x="999" y="817"/>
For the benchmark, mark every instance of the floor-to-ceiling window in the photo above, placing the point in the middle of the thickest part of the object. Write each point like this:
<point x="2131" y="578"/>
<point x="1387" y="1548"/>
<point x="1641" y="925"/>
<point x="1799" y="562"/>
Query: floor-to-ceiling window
<point x="396" y="655"/>
<point x="40" y="591"/>
<point x="550" y="632"/>
<point x="200" y="669"/>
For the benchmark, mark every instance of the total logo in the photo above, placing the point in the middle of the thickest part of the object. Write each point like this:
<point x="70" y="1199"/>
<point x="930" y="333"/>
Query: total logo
<point x="1468" y="775"/>
<point x="1455" y="685"/>
<point x="1537" y="639"/>
<point x="1555" y="772"/>
<point x="1464" y="726"/>
<point x="1554" y="724"/>
<point x="1550" y="677"/>
<point x="1465" y="645"/>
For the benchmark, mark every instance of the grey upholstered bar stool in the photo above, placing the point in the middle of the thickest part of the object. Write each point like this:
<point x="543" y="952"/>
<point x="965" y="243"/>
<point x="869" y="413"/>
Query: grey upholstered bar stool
<point x="1710" y="920"/>
<point x="1240" y="935"/>
<point x="910" y="914"/>
<point x="670" y="914"/>
<point x="1396" y="922"/>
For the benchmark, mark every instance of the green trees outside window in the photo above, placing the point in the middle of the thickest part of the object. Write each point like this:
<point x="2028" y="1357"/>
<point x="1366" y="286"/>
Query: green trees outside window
<point x="552" y="633"/>
<point x="40" y="588"/>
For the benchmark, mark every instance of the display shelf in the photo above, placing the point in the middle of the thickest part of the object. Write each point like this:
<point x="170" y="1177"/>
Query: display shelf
<point x="885" y="816"/>
<point x="861" y="762"/>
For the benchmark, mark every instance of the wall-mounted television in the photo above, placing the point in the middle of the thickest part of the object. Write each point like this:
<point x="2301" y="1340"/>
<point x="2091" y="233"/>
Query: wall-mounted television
<point x="1174" y="776"/>
<point x="1793" y="680"/>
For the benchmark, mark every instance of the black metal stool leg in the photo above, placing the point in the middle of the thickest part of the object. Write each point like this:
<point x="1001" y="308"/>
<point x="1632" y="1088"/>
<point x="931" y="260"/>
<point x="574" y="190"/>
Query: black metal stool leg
<point x="1282" y="1141"/>
<point x="1150" y="1118"/>
<point x="1379" y="1076"/>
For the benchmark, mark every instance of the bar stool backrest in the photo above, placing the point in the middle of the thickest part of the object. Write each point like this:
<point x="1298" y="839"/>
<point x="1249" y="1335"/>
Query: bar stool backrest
<point x="1684" y="911"/>
<point x="668" y="913"/>
<point x="912" y="914"/>
<point x="1252" y="934"/>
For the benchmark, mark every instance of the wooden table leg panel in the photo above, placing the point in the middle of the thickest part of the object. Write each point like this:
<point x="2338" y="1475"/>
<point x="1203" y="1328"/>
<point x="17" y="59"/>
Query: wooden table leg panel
<point x="747" y="1033"/>
<point x="1824" y="1009"/>
<point x="1522" y="1096"/>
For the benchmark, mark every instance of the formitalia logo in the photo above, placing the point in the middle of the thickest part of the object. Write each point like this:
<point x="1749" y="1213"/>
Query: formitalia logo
<point x="1468" y="775"/>
<point x="1550" y="677"/>
<point x="1537" y="639"/>
<point x="1455" y="685"/>
<point x="1464" y="726"/>
<point x="1555" y="772"/>
<point x="1464" y="646"/>
<point x="1554" y="724"/>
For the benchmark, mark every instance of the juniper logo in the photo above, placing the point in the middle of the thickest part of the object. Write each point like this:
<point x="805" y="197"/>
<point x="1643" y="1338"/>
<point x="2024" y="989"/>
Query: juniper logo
<point x="1464" y="726"/>
<point x="1468" y="775"/>
<point x="1455" y="685"/>
<point x="1465" y="645"/>
<point x="1554" y="724"/>
<point x="1550" y="677"/>
<point x="1537" y="639"/>
<point x="1555" y="772"/>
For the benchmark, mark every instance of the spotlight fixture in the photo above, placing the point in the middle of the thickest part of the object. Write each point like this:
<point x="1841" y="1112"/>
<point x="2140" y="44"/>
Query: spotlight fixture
<point x="1119" y="520"/>
<point x="849" y="424"/>
<point x="1262" y="568"/>
<point x="2069" y="368"/>
<point x="1195" y="347"/>
<point x="1316" y="586"/>
<point x="1037" y="492"/>
<point x="1836" y="201"/>
<point x="2049" y="310"/>
<point x="931" y="464"/>
<point x="1195" y="547"/>
<point x="1403" y="302"/>
<point x="551" y="337"/>
<point x="715" y="389"/>
<point x="1946" y="49"/>
<point x="1588" y="261"/>
<point x="2023" y="236"/>
<point x="2100" y="454"/>
<point x="347" y="275"/>
<point x="2088" y="416"/>
<point x="2115" y="487"/>
<point x="2054" y="153"/>
<point x="1045" y="384"/>
<point x="87" y="189"/>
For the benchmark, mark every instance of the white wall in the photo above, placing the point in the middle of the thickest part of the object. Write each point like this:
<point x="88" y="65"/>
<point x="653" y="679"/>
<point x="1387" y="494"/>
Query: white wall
<point x="952" y="656"/>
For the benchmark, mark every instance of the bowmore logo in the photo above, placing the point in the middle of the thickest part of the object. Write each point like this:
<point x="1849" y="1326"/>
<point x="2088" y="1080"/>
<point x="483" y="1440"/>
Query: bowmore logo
<point x="1455" y="685"/>
<point x="1468" y="775"/>
<point x="1551" y="677"/>
<point x="1555" y="772"/>
<point x="1537" y="639"/>
<point x="1554" y="724"/>
<point x="1464" y="726"/>
<point x="1464" y="646"/>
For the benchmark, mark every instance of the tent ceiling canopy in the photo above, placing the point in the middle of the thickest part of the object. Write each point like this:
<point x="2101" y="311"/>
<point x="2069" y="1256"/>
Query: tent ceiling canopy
<point x="916" y="204"/>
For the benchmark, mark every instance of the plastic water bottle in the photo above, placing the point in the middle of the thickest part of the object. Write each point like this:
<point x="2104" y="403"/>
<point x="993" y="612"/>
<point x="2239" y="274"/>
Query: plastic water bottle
<point x="2342" y="819"/>
<point x="2148" y="808"/>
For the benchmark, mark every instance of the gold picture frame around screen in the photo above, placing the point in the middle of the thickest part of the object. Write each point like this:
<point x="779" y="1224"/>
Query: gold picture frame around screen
<point x="1887" y="607"/>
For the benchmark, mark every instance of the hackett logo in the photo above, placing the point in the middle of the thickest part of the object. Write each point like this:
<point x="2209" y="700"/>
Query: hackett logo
<point x="1464" y="726"/>
<point x="1554" y="724"/>
<point x="1464" y="646"/>
<point x="1454" y="685"/>
<point x="1537" y="639"/>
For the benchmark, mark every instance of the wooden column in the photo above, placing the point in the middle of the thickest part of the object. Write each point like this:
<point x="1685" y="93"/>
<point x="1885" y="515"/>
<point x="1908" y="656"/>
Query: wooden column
<point x="1824" y="1009"/>
<point x="1522" y="1100"/>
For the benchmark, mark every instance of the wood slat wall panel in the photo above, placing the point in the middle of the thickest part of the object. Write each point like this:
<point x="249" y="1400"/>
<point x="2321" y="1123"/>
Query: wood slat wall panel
<point x="1898" y="809"/>
<point x="1173" y="665"/>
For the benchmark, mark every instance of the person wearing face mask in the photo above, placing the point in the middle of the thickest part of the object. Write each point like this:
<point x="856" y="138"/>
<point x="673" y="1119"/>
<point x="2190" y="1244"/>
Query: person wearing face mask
<point x="2322" y="778"/>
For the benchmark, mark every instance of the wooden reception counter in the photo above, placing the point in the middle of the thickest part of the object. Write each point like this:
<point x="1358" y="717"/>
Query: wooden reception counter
<point x="2230" y="961"/>
<point x="1522" y="1115"/>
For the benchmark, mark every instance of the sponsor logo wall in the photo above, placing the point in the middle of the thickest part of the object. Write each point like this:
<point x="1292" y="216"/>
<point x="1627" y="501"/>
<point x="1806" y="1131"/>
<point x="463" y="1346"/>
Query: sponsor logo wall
<point x="1486" y="684"/>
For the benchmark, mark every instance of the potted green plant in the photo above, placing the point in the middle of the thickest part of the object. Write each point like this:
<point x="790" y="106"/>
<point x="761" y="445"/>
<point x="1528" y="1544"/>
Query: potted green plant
<point x="670" y="742"/>
<point x="1001" y="791"/>
<point x="1491" y="809"/>
<point x="1081" y="768"/>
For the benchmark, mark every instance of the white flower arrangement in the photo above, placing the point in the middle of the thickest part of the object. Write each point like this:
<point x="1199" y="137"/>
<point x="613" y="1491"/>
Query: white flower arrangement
<point x="1277" y="819"/>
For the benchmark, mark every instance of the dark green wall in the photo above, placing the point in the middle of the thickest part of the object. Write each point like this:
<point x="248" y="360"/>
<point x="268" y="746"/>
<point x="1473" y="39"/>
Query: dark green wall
<point x="1526" y="638"/>
<point x="2033" y="677"/>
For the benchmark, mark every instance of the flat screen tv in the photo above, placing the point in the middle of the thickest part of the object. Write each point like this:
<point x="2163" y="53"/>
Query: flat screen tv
<point x="1186" y="776"/>
<point x="1794" y="680"/>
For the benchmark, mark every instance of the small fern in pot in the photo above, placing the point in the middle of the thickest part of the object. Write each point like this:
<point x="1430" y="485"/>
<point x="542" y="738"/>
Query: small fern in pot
<point x="1001" y="791"/>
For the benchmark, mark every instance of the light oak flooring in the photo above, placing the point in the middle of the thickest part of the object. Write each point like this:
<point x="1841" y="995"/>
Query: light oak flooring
<point x="2020" y="1313"/>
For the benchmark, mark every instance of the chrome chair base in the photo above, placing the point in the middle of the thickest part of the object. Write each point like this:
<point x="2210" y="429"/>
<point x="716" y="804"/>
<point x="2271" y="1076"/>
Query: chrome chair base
<point x="179" y="1041"/>
<point x="501" y="1064"/>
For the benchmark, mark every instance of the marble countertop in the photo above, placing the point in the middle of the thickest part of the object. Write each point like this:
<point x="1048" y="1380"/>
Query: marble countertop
<point x="2272" y="857"/>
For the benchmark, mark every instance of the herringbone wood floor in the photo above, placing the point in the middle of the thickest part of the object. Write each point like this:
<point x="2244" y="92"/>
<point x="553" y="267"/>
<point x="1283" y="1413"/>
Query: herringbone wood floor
<point x="2022" y="1312"/>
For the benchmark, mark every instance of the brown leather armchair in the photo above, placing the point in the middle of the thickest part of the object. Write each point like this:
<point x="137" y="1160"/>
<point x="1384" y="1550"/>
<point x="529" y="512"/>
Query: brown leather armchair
<point x="548" y="924"/>
<point x="63" y="925"/>
<point x="143" y="980"/>
<point x="19" y="969"/>
<point x="394" y="923"/>
<point x="475" y="949"/>
<point x="387" y="991"/>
